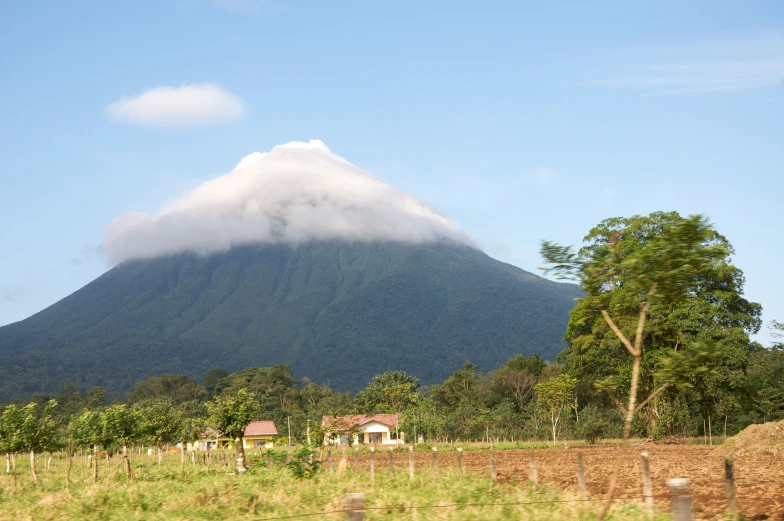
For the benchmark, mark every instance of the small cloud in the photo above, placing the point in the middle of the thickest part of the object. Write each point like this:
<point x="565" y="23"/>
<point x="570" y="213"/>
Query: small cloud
<point x="10" y="295"/>
<point x="187" y="106"/>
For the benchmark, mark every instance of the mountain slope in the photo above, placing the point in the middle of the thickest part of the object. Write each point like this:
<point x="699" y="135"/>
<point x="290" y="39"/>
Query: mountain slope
<point x="336" y="311"/>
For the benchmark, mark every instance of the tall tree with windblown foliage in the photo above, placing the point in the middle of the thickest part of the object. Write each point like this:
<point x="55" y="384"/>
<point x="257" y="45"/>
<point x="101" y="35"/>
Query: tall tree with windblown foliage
<point x="659" y="287"/>
<point x="231" y="414"/>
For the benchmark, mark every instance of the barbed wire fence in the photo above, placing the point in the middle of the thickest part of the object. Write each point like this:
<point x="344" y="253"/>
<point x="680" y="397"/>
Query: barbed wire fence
<point x="679" y="496"/>
<point x="355" y="507"/>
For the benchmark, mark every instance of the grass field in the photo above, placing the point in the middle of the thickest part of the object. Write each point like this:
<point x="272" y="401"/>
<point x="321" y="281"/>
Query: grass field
<point x="177" y="491"/>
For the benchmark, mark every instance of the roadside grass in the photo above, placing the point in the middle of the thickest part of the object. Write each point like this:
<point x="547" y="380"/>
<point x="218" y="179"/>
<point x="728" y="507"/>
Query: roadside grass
<point x="177" y="491"/>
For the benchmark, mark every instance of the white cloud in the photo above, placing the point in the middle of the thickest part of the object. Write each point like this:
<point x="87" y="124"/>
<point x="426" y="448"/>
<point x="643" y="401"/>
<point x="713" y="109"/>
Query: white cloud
<point x="699" y="67"/>
<point x="297" y="192"/>
<point x="187" y="106"/>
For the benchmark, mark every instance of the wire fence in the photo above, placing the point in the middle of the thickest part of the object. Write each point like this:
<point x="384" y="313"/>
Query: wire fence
<point x="408" y="508"/>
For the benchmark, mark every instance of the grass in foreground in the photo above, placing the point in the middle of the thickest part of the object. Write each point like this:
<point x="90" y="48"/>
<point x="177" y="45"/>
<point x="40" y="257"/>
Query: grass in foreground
<point x="185" y="492"/>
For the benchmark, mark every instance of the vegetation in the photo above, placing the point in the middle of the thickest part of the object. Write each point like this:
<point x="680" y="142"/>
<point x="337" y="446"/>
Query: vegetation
<point x="201" y="492"/>
<point x="335" y="312"/>
<point x="664" y="270"/>
<point x="231" y="414"/>
<point x="662" y="317"/>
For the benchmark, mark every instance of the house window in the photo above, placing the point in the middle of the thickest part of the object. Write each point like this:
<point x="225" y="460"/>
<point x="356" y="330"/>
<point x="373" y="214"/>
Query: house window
<point x="374" y="437"/>
<point x="259" y="443"/>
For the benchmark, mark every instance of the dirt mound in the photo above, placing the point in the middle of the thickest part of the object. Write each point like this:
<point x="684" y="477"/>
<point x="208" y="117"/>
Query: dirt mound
<point x="763" y="438"/>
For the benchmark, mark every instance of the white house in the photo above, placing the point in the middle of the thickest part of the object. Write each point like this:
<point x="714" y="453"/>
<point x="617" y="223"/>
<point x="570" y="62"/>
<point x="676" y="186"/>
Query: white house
<point x="379" y="429"/>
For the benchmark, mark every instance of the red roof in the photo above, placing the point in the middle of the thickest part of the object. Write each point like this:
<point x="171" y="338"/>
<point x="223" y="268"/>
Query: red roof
<point x="360" y="419"/>
<point x="261" y="428"/>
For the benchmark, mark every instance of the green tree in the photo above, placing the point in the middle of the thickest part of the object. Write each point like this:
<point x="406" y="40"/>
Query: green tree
<point x="31" y="428"/>
<point x="189" y="430"/>
<point x="119" y="429"/>
<point x="552" y="397"/>
<point x="85" y="430"/>
<point x="175" y="387"/>
<point x="424" y="419"/>
<point x="211" y="379"/>
<point x="642" y="277"/>
<point x="231" y="414"/>
<point x="464" y="398"/>
<point x="765" y="383"/>
<point x="119" y="426"/>
<point x="515" y="379"/>
<point x="390" y="392"/>
<point x="159" y="421"/>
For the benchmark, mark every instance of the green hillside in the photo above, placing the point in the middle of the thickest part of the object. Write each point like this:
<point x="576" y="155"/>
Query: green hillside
<point x="337" y="312"/>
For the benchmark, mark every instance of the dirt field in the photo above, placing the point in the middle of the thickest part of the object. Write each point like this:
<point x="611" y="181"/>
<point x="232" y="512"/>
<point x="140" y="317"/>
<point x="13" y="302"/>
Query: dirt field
<point x="759" y="479"/>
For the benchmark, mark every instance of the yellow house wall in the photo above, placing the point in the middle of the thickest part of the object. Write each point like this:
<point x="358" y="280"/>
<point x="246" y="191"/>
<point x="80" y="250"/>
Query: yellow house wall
<point x="247" y="441"/>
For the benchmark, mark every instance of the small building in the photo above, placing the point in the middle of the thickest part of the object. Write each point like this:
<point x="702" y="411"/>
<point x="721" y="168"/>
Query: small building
<point x="378" y="429"/>
<point x="259" y="433"/>
<point x="208" y="440"/>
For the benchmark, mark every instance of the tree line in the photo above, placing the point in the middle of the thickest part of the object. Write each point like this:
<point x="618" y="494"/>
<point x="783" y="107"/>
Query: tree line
<point x="659" y="343"/>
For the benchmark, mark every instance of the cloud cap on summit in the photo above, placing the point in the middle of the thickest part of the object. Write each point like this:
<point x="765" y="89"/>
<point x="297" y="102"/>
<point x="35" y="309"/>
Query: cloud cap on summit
<point x="296" y="192"/>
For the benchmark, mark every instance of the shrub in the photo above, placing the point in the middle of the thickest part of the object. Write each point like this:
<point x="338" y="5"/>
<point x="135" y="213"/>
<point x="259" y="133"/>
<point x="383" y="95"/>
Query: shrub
<point x="304" y="465"/>
<point x="273" y="458"/>
<point x="594" y="424"/>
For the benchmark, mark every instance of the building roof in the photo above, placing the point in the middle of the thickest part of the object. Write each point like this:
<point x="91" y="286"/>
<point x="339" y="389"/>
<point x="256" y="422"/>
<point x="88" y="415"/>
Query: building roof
<point x="261" y="428"/>
<point x="254" y="428"/>
<point x="360" y="419"/>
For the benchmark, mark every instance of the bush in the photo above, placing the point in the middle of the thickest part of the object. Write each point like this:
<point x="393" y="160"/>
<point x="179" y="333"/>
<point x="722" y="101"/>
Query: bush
<point x="274" y="458"/>
<point x="594" y="424"/>
<point x="304" y="465"/>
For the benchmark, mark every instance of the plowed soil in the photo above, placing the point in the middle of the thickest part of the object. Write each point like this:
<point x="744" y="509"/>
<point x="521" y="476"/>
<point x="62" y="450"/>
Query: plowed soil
<point x="759" y="479"/>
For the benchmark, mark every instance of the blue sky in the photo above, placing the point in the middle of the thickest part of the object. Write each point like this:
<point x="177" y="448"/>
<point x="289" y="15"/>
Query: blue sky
<point x="519" y="121"/>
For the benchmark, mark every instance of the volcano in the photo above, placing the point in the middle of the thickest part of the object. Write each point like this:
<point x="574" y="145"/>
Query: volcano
<point x="338" y="312"/>
<point x="295" y="257"/>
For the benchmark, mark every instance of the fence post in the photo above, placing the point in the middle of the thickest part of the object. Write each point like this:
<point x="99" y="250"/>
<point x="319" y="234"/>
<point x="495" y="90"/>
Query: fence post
<point x="581" y="475"/>
<point x="372" y="463"/>
<point x="460" y="461"/>
<point x="411" y="462"/>
<point x="355" y="505"/>
<point x="435" y="459"/>
<point x="391" y="465"/>
<point x="647" y="484"/>
<point x="732" y="509"/>
<point x="680" y="499"/>
<point x="329" y="460"/>
<point x="493" y="474"/>
<point x="532" y="475"/>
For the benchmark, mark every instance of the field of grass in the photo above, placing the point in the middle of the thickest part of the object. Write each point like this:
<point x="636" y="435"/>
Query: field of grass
<point x="177" y="491"/>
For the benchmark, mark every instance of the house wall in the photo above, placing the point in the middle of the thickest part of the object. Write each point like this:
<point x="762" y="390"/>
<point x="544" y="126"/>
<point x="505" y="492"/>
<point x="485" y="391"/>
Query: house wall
<point x="248" y="442"/>
<point x="372" y="427"/>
